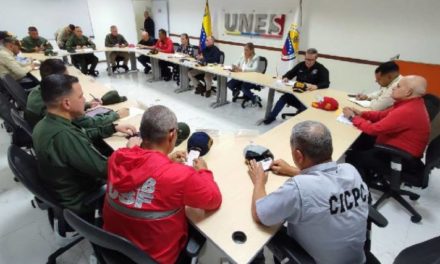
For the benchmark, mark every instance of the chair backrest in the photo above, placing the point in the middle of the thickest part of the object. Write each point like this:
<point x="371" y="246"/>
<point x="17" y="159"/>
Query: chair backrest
<point x="432" y="104"/>
<point x="15" y="90"/>
<point x="222" y="57"/>
<point x="5" y="110"/>
<point x="432" y="158"/>
<point x="24" y="166"/>
<point x="20" y="122"/>
<point x="262" y="64"/>
<point x="196" y="50"/>
<point x="107" y="241"/>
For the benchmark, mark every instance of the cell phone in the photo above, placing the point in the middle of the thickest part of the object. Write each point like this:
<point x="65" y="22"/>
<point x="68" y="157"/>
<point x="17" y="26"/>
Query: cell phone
<point x="351" y="95"/>
<point x="192" y="155"/>
<point x="266" y="163"/>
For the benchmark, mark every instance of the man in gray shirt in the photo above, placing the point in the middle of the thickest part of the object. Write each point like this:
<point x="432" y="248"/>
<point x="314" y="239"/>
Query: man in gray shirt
<point x="325" y="204"/>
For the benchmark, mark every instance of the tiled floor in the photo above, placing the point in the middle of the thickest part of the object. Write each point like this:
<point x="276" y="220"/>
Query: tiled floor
<point x="25" y="234"/>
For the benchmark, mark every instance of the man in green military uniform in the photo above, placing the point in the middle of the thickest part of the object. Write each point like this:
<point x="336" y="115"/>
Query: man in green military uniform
<point x="81" y="61"/>
<point x="34" y="43"/>
<point x="114" y="39"/>
<point x="69" y="165"/>
<point x="36" y="109"/>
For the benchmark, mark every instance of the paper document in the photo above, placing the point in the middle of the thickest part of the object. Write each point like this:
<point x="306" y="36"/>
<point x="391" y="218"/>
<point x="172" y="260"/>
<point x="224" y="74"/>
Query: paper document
<point x="227" y="67"/>
<point x="341" y="118"/>
<point x="178" y="55"/>
<point x="288" y="83"/>
<point x="363" y="103"/>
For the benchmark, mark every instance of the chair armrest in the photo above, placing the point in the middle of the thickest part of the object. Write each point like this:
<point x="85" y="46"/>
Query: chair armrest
<point x="195" y="242"/>
<point x="284" y="247"/>
<point x="95" y="196"/>
<point x="394" y="151"/>
<point x="377" y="218"/>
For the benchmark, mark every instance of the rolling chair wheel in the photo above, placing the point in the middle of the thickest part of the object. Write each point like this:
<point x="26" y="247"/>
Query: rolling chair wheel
<point x="416" y="218"/>
<point x="414" y="197"/>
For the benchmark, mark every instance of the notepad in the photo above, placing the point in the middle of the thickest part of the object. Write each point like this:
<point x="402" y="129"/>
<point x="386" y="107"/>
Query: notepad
<point x="363" y="103"/>
<point x="341" y="118"/>
<point x="227" y="67"/>
<point x="288" y="83"/>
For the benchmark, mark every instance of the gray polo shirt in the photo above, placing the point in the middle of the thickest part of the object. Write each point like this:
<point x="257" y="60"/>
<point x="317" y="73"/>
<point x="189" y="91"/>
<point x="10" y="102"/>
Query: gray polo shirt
<point x="326" y="209"/>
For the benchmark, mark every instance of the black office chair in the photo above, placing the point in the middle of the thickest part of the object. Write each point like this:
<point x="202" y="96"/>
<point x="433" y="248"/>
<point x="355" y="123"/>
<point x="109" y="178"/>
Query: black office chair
<point x="112" y="248"/>
<point x="432" y="104"/>
<point x="426" y="252"/>
<point x="119" y="64"/>
<point x="24" y="166"/>
<point x="15" y="90"/>
<point x="288" y="251"/>
<point x="262" y="66"/>
<point x="417" y="175"/>
<point x="20" y="138"/>
<point x="21" y="123"/>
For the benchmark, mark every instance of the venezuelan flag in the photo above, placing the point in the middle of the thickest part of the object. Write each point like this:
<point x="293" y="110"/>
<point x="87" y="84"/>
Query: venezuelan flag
<point x="206" y="27"/>
<point x="291" y="45"/>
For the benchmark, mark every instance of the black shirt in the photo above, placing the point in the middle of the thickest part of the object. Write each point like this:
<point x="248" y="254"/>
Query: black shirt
<point x="211" y="54"/>
<point x="149" y="26"/>
<point x="149" y="42"/>
<point x="317" y="74"/>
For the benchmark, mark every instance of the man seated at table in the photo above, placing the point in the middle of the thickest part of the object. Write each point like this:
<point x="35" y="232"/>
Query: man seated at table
<point x="9" y="65"/>
<point x="63" y="34"/>
<point x="164" y="45"/>
<point x="146" y="42"/>
<point x="148" y="189"/>
<point x="69" y="165"/>
<point x="405" y="126"/>
<point x="247" y="63"/>
<point x="387" y="76"/>
<point x="82" y="61"/>
<point x="325" y="204"/>
<point x="114" y="39"/>
<point x="309" y="72"/>
<point x="33" y="42"/>
<point x="36" y="109"/>
<point x="211" y="54"/>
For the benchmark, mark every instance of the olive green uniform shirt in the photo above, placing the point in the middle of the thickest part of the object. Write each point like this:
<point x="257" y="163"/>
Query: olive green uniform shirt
<point x="111" y="41"/>
<point x="69" y="164"/>
<point x="82" y="41"/>
<point x="28" y="44"/>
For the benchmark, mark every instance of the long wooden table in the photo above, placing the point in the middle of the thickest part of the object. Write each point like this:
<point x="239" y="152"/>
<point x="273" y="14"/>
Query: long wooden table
<point x="226" y="161"/>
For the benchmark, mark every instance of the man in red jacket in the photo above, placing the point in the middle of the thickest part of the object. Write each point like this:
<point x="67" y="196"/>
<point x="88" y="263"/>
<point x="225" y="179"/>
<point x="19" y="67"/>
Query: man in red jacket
<point x="164" y="45"/>
<point x="405" y="126"/>
<point x="148" y="189"/>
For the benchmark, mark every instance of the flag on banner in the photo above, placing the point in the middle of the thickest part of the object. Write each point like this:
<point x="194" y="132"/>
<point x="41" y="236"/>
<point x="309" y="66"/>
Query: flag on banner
<point x="206" y="27"/>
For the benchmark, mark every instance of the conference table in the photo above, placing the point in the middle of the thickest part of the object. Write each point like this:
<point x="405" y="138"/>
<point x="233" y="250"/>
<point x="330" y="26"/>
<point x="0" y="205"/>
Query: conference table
<point x="231" y="228"/>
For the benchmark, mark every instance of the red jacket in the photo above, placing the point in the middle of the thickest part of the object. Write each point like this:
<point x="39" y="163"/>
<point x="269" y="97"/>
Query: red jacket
<point x="166" y="46"/>
<point x="405" y="126"/>
<point x="146" y="181"/>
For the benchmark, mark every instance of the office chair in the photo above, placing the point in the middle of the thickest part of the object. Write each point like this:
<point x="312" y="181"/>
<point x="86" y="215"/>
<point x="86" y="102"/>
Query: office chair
<point x="262" y="66"/>
<point x="114" y="249"/>
<point x="432" y="104"/>
<point x="15" y="90"/>
<point x="24" y="166"/>
<point x="426" y="252"/>
<point x="21" y="123"/>
<point x="19" y="137"/>
<point x="292" y="253"/>
<point x="119" y="64"/>
<point x="417" y="176"/>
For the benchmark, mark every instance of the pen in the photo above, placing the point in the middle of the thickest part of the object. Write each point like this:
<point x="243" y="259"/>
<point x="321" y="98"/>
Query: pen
<point x="94" y="98"/>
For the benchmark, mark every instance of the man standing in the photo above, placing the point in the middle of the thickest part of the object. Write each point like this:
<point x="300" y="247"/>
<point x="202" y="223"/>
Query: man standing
<point x="149" y="188"/>
<point x="405" y="126"/>
<point x="82" y="61"/>
<point x="33" y="42"/>
<point x="165" y="45"/>
<point x="63" y="35"/>
<point x="387" y="76"/>
<point x="309" y="72"/>
<point x="149" y="24"/>
<point x="117" y="40"/>
<point x="146" y="42"/>
<point x="325" y="204"/>
<point x="8" y="64"/>
<point x="69" y="165"/>
<point x="211" y="54"/>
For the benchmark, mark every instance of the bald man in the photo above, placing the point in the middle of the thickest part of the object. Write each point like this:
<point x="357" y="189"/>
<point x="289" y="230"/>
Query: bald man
<point x="405" y="126"/>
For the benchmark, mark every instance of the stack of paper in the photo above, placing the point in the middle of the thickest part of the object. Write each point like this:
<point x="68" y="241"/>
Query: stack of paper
<point x="363" y="103"/>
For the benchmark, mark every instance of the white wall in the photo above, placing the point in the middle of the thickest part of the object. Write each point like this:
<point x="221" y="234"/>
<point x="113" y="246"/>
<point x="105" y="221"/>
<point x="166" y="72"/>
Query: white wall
<point x="371" y="30"/>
